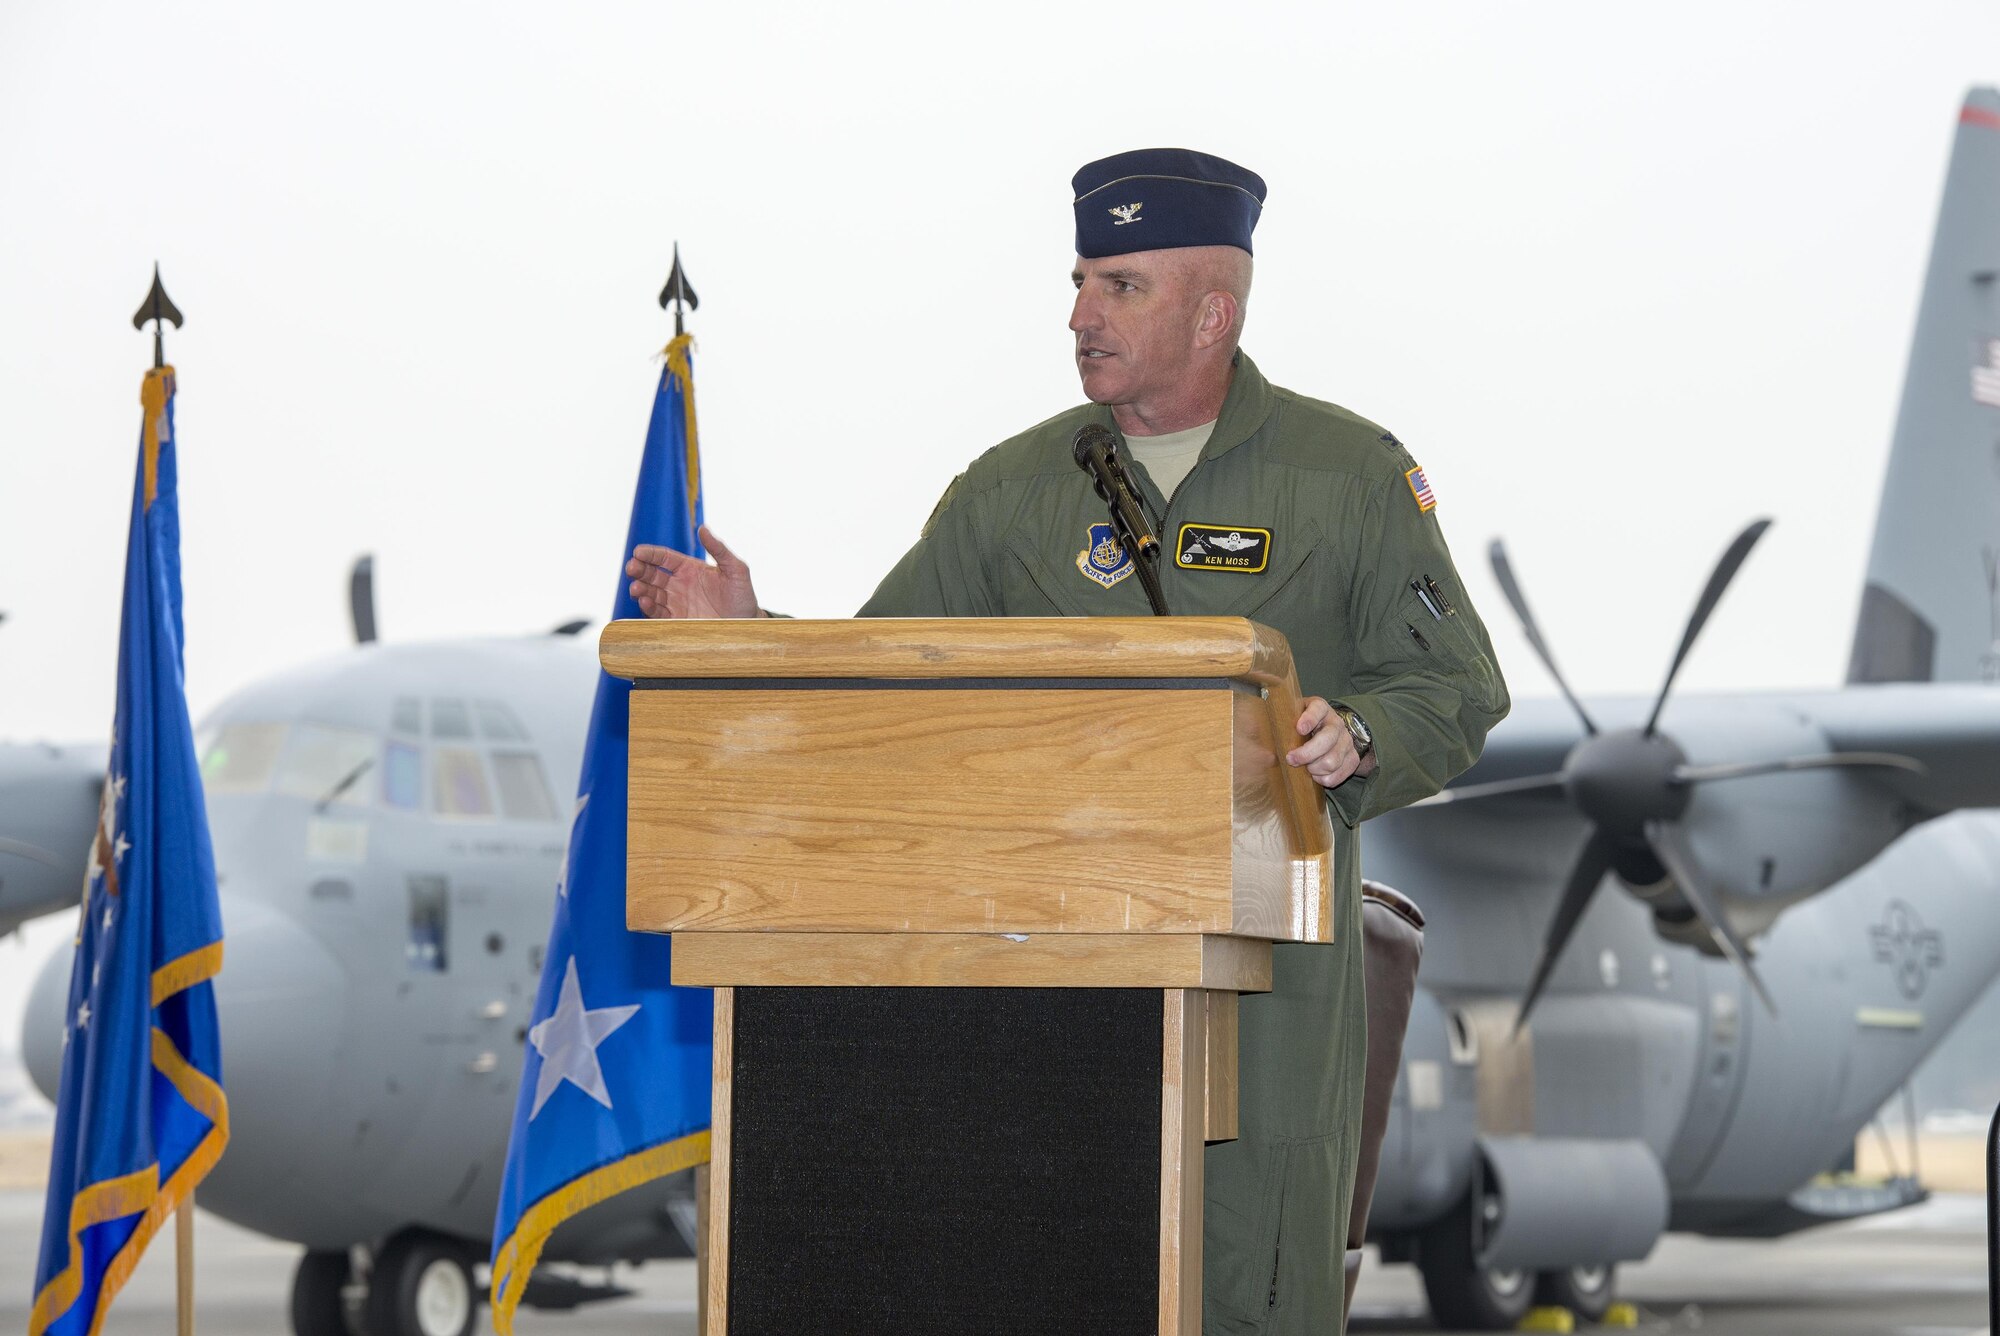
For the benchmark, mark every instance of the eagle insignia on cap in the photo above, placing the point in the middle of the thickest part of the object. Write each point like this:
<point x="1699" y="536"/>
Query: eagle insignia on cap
<point x="1127" y="213"/>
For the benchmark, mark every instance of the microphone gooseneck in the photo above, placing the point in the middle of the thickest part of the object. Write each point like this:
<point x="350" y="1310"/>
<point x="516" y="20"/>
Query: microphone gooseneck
<point x="1095" y="450"/>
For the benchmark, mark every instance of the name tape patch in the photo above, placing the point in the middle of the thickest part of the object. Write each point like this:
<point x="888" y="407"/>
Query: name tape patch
<point x="1223" y="547"/>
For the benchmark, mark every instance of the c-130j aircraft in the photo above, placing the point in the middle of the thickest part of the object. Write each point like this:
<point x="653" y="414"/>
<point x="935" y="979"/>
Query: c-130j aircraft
<point x="389" y="827"/>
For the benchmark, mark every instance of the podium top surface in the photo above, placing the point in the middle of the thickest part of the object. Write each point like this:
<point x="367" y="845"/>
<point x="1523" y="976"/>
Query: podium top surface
<point x="936" y="647"/>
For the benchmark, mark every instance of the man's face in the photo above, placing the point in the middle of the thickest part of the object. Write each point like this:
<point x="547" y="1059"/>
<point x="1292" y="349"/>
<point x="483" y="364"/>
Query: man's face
<point x="1134" y="322"/>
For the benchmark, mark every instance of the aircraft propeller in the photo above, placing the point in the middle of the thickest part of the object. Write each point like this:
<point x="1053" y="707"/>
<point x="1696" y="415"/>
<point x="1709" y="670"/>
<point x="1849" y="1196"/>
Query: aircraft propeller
<point x="361" y="598"/>
<point x="1634" y="784"/>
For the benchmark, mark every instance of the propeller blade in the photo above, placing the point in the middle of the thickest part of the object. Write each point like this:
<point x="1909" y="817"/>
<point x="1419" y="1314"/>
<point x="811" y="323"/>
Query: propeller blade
<point x="1495" y="789"/>
<point x="1503" y="571"/>
<point x="1701" y="774"/>
<point x="1718" y="580"/>
<point x="361" y="599"/>
<point x="1592" y="862"/>
<point x="1669" y="845"/>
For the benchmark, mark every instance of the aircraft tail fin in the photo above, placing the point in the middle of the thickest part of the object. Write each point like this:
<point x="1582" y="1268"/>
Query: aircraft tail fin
<point x="1931" y="609"/>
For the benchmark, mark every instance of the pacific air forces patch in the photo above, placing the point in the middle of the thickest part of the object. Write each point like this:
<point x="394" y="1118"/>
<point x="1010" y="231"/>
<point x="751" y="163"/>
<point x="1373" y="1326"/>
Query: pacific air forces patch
<point x="1223" y="547"/>
<point x="1104" y="559"/>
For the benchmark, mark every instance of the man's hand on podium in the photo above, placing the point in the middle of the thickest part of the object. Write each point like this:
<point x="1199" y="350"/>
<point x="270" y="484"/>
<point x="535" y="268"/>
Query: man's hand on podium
<point x="673" y="584"/>
<point x="1328" y="753"/>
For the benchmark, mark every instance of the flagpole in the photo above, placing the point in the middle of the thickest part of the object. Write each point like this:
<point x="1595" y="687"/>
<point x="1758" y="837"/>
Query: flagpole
<point x="158" y="310"/>
<point x="679" y="294"/>
<point x="184" y="1265"/>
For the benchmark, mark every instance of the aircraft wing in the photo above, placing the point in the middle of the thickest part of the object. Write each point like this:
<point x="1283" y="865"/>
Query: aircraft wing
<point x="48" y="813"/>
<point x="1952" y="728"/>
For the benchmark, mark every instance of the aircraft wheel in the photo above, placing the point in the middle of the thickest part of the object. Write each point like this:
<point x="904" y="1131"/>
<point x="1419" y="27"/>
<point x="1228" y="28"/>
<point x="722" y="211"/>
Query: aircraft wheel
<point x="1586" y="1291"/>
<point x="1463" y="1294"/>
<point x="318" y="1307"/>
<point x="421" y="1285"/>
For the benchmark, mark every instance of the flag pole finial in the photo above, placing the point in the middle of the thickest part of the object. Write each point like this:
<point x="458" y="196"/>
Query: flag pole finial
<point x="158" y="308"/>
<point x="677" y="292"/>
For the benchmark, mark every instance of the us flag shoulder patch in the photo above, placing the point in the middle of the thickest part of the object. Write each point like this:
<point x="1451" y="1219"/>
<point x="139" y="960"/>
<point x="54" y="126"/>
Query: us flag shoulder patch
<point x="1420" y="488"/>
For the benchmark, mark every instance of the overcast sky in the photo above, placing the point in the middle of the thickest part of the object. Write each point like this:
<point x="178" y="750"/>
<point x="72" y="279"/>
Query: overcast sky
<point x="1623" y="277"/>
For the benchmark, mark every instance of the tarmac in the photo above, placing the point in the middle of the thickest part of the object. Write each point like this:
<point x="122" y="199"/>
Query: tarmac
<point x="1919" y="1272"/>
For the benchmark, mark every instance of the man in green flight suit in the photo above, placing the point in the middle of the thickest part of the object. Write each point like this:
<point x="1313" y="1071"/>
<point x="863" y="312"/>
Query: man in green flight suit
<point x="1269" y="505"/>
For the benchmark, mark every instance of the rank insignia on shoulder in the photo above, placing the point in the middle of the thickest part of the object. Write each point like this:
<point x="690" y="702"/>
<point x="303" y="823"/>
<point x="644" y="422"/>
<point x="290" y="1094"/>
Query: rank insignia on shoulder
<point x="1104" y="559"/>
<point x="1420" y="488"/>
<point x="1223" y="547"/>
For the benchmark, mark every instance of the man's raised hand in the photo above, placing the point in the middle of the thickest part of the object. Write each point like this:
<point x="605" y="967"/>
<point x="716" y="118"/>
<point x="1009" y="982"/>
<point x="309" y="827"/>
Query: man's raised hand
<point x="673" y="584"/>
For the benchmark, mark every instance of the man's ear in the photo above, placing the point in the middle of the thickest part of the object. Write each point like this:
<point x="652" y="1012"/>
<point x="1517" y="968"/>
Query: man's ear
<point x="1217" y="319"/>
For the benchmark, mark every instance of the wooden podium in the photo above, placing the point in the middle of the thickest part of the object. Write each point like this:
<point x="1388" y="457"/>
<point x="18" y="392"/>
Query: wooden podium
<point x="977" y="898"/>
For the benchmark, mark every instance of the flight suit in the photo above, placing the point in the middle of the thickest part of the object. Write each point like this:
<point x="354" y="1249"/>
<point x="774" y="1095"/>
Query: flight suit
<point x="1314" y="521"/>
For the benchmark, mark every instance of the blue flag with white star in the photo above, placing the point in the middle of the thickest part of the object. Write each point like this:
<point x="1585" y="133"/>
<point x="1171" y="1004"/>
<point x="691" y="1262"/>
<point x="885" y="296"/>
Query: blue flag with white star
<point x="615" y="1082"/>
<point x="140" y="1113"/>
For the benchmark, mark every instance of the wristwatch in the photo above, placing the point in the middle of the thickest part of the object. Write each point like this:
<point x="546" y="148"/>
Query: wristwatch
<point x="1364" y="741"/>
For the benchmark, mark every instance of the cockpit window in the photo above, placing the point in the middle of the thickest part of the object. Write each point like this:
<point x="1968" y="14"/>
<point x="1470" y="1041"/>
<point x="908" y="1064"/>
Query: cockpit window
<point x="458" y="783"/>
<point x="449" y="719"/>
<point x="524" y="793"/>
<point x="403" y="776"/>
<point x="497" y="723"/>
<point x="240" y="757"/>
<point x="329" y="765"/>
<point x="407" y="715"/>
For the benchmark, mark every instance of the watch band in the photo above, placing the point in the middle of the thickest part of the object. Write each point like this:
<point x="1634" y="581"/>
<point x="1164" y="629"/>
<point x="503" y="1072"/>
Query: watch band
<point x="1357" y="728"/>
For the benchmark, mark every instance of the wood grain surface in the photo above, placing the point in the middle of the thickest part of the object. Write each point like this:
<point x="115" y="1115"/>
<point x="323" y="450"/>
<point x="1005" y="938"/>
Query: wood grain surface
<point x="969" y="810"/>
<point x="940" y="811"/>
<point x="701" y="1248"/>
<point x="971" y="960"/>
<point x="898" y="647"/>
<point x="716" y="1277"/>
<point x="1219" y="1065"/>
<point x="1181" y="1123"/>
<point x="1282" y="839"/>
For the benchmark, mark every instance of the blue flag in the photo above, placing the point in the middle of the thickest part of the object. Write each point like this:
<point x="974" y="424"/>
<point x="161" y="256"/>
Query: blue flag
<point x="140" y="1114"/>
<point x="614" y="1087"/>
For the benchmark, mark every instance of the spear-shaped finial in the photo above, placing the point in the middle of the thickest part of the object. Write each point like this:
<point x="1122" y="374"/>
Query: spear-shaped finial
<point x="677" y="292"/>
<point x="158" y="308"/>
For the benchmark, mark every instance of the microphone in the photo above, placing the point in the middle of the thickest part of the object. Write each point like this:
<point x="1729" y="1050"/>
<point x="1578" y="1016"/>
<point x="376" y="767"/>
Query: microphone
<point x="1095" y="450"/>
<point x="1096" y="453"/>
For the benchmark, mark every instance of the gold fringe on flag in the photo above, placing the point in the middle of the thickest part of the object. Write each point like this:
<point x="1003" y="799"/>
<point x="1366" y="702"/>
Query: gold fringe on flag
<point x="517" y="1257"/>
<point x="154" y="391"/>
<point x="116" y="1198"/>
<point x="682" y="371"/>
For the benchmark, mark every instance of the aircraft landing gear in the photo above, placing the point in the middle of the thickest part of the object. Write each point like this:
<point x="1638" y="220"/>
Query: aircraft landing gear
<point x="1463" y="1294"/>
<point x="421" y="1285"/>
<point x="1586" y="1291"/>
<point x="319" y="1304"/>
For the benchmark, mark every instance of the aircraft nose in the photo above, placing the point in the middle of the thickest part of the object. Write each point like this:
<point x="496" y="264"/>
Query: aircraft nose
<point x="42" y="1024"/>
<point x="281" y="1003"/>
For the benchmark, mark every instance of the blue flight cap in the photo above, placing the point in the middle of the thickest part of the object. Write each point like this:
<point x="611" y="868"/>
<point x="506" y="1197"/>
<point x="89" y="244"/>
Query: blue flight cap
<point x="1161" y="199"/>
